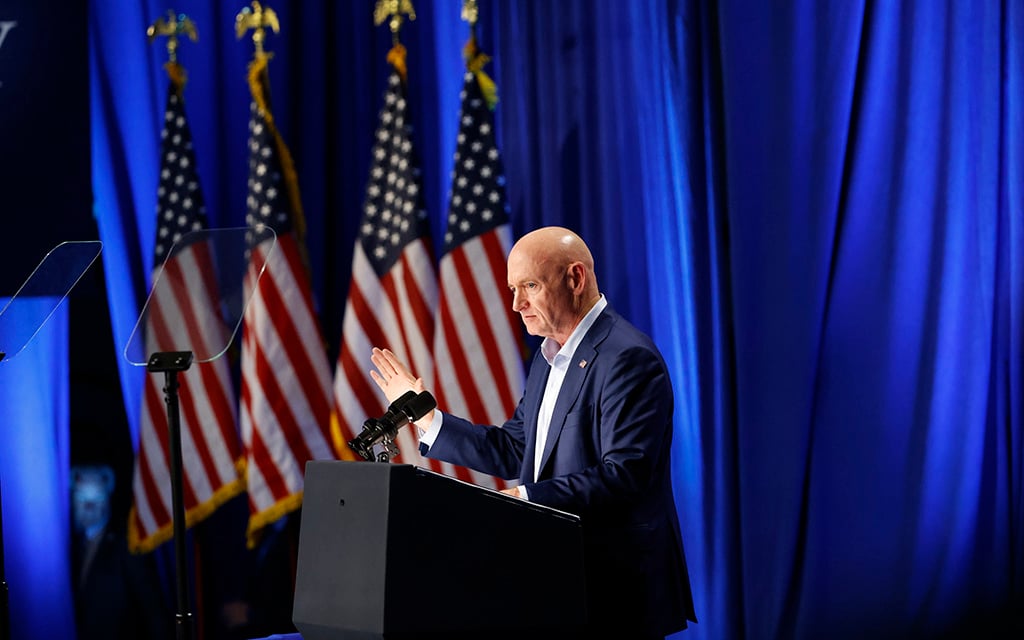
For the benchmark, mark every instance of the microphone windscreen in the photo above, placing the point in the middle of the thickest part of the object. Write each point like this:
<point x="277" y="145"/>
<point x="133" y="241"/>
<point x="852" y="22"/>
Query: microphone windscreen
<point x="401" y="401"/>
<point x="419" y="406"/>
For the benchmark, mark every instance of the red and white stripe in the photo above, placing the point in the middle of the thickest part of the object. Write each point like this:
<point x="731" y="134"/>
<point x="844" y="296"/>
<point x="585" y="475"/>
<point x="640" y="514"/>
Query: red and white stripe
<point x="182" y="315"/>
<point x="477" y="344"/>
<point x="286" y="388"/>
<point x="393" y="312"/>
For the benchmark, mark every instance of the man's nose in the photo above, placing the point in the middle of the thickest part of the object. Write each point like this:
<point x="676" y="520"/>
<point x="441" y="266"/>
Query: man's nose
<point x="517" y="302"/>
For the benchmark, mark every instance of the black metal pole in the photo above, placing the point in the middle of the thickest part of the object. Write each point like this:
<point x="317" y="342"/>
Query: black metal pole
<point x="170" y="363"/>
<point x="183" y="619"/>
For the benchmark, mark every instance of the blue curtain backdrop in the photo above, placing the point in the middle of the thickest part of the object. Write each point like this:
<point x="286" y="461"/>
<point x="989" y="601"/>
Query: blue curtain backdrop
<point x="815" y="209"/>
<point x="35" y="471"/>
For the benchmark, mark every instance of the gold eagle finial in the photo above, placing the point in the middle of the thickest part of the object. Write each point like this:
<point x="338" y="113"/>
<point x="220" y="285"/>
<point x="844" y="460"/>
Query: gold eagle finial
<point x="470" y="12"/>
<point x="392" y="10"/>
<point x="259" y="19"/>
<point x="173" y="27"/>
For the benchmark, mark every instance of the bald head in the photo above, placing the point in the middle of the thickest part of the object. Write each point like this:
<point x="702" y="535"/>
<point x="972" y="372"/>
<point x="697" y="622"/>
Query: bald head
<point x="557" y="245"/>
<point x="551" y="275"/>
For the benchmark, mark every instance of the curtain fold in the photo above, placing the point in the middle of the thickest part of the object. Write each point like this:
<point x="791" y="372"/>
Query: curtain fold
<point x="863" y="165"/>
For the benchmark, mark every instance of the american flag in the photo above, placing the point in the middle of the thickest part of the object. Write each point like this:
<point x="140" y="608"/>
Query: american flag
<point x="286" y="377"/>
<point x="478" y="344"/>
<point x="393" y="290"/>
<point x="181" y="315"/>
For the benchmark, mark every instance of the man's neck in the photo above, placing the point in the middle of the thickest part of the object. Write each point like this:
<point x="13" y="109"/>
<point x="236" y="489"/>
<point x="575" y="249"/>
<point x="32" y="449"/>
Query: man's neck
<point x="584" y="310"/>
<point x="561" y="339"/>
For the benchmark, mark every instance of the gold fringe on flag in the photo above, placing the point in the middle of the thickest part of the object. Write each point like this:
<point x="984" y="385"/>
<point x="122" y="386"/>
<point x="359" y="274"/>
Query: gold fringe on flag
<point x="475" y="61"/>
<point x="193" y="516"/>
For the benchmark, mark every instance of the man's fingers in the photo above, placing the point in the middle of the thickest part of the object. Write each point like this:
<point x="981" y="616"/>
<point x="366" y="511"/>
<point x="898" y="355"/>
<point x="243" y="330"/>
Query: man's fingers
<point x="378" y="379"/>
<point x="396" y="366"/>
<point x="389" y="365"/>
<point x="380" y="361"/>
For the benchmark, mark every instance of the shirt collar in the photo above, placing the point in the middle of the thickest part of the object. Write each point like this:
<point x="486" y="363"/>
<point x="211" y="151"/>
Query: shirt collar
<point x="551" y="349"/>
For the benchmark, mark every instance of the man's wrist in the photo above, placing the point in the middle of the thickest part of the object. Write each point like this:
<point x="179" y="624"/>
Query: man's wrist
<point x="429" y="434"/>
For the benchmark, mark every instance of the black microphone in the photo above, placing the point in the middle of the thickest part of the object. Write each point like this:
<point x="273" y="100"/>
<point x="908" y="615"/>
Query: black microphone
<point x="409" y="407"/>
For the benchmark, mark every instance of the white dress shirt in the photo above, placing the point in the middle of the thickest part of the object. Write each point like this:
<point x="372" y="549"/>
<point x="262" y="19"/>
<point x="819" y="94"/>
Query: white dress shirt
<point x="559" y="357"/>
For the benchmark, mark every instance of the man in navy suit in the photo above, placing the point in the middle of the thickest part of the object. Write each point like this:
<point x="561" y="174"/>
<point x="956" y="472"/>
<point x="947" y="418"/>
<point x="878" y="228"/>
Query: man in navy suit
<point x="591" y="436"/>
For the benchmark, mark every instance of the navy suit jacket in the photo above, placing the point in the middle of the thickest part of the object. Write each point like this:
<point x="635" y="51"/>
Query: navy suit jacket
<point x="606" y="458"/>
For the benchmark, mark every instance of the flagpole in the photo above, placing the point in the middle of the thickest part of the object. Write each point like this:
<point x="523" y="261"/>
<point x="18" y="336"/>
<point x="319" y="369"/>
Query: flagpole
<point x="170" y="363"/>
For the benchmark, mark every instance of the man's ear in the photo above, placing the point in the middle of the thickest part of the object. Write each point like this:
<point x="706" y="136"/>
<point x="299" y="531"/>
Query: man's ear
<point x="576" y="277"/>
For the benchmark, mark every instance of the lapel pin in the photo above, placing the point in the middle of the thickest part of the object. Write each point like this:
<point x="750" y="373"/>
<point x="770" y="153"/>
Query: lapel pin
<point x="583" y="364"/>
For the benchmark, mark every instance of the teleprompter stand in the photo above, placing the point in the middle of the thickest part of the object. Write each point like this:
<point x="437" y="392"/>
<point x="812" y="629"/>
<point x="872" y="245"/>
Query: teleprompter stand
<point x="193" y="312"/>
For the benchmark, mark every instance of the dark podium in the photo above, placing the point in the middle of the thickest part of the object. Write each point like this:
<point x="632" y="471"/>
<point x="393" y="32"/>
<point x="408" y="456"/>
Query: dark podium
<point x="398" y="552"/>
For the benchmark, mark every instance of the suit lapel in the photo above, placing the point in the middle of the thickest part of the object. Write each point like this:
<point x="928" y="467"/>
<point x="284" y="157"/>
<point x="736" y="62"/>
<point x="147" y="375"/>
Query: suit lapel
<point x="576" y="375"/>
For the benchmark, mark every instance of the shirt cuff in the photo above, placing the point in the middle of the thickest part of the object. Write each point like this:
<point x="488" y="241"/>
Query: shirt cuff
<point x="428" y="436"/>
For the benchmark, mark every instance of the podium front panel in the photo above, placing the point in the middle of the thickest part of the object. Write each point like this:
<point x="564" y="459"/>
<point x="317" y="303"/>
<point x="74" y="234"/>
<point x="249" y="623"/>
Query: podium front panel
<point x="393" y="551"/>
